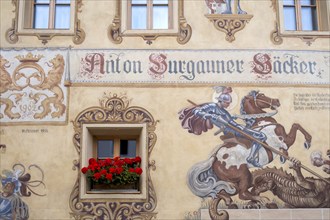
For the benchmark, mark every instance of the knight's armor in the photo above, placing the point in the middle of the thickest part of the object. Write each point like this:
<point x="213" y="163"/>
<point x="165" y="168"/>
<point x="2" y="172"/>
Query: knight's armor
<point x="221" y="118"/>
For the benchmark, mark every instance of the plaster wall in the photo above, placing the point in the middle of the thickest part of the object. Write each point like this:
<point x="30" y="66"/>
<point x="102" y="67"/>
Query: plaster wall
<point x="176" y="151"/>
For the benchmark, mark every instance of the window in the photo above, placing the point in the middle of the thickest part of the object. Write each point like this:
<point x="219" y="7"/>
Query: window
<point x="115" y="147"/>
<point x="46" y="19"/>
<point x="307" y="19"/>
<point x="300" y="15"/>
<point x="149" y="19"/>
<point x="50" y="14"/>
<point x="127" y="130"/>
<point x="150" y="14"/>
<point x="103" y="141"/>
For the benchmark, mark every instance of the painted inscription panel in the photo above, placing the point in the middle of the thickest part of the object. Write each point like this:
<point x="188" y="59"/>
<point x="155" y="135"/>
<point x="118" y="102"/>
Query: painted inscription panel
<point x="199" y="66"/>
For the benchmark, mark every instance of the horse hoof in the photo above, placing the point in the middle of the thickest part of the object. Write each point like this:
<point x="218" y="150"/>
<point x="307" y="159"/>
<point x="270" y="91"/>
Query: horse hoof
<point x="307" y="145"/>
<point x="232" y="206"/>
<point x="271" y="206"/>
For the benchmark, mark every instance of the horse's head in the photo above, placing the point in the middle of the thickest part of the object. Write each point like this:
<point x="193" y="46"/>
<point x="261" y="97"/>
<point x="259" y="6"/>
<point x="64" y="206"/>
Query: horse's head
<point x="255" y="101"/>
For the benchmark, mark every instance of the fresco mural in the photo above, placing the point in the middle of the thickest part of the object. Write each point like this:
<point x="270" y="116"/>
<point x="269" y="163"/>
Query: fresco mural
<point x="32" y="87"/>
<point x="224" y="6"/>
<point x="16" y="184"/>
<point x="238" y="166"/>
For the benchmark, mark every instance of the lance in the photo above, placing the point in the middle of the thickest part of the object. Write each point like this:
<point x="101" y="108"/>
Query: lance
<point x="267" y="146"/>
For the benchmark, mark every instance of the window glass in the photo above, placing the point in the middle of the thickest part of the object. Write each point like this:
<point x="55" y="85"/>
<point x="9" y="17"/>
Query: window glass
<point x="307" y="2"/>
<point x="128" y="148"/>
<point x="290" y="18"/>
<point x="288" y="2"/>
<point x="62" y="17"/>
<point x="105" y="149"/>
<point x="42" y="1"/>
<point x="139" y="17"/>
<point x="160" y="17"/>
<point x="309" y="19"/>
<point x="62" y="2"/>
<point x="41" y="16"/>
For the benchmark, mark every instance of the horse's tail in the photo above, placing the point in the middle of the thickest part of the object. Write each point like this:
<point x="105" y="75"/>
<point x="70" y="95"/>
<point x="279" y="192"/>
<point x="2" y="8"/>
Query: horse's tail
<point x="203" y="182"/>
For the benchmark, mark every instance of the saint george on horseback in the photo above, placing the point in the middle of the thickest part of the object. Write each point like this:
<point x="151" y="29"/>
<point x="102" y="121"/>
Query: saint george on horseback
<point x="220" y="117"/>
<point x="227" y="170"/>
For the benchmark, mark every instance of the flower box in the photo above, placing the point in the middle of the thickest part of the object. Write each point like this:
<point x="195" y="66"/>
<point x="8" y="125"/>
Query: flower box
<point x="114" y="187"/>
<point x="113" y="174"/>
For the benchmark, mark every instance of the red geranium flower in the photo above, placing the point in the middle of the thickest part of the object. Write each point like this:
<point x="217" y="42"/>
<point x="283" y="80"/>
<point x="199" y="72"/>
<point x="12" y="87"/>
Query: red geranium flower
<point x="138" y="170"/>
<point x="109" y="176"/>
<point x="97" y="176"/>
<point x="92" y="161"/>
<point x="115" y="171"/>
<point x="84" y="170"/>
<point x="137" y="159"/>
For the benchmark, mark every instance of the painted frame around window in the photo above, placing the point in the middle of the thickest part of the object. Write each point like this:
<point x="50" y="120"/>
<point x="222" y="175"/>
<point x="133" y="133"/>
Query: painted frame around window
<point x="120" y="26"/>
<point x="307" y="36"/>
<point x="114" y="114"/>
<point x="23" y="9"/>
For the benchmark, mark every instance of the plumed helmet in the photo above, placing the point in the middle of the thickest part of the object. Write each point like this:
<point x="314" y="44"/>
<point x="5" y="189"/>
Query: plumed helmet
<point x="225" y="97"/>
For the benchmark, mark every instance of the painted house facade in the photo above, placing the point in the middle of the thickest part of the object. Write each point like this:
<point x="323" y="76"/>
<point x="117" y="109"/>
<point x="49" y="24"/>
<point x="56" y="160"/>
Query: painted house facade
<point x="160" y="109"/>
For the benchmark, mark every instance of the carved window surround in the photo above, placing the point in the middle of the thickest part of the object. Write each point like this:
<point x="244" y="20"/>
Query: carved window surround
<point x="117" y="30"/>
<point x="306" y="36"/>
<point x="17" y="29"/>
<point x="229" y="23"/>
<point x="114" y="111"/>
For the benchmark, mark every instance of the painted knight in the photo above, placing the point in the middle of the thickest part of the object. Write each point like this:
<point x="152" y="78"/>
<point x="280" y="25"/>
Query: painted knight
<point x="220" y="117"/>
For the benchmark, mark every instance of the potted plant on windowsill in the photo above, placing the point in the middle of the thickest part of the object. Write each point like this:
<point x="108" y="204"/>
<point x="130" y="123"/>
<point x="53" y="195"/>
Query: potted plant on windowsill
<point x="113" y="174"/>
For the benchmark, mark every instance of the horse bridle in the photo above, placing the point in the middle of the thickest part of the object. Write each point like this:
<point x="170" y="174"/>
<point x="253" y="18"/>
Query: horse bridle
<point x="255" y="99"/>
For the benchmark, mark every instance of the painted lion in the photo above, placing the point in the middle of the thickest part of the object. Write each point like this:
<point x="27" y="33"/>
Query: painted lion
<point x="6" y="84"/>
<point x="52" y="82"/>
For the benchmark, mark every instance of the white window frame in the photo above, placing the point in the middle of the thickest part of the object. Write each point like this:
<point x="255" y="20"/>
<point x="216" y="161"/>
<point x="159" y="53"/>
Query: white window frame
<point x="89" y="132"/>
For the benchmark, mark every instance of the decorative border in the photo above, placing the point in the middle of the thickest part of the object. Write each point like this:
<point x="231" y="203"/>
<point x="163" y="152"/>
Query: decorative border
<point x="114" y="109"/>
<point x="78" y="33"/>
<point x="116" y="35"/>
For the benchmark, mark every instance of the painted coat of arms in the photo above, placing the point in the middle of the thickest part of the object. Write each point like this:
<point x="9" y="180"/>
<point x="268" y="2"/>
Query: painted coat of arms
<point x="32" y="87"/>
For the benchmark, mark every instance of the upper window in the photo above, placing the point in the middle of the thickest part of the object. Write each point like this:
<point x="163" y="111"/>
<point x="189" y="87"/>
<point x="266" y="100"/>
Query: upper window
<point x="150" y="14"/>
<point x="50" y="14"/>
<point x="47" y="14"/>
<point x="307" y="19"/>
<point x="300" y="15"/>
<point x="46" y="19"/>
<point x="305" y="15"/>
<point x="149" y="19"/>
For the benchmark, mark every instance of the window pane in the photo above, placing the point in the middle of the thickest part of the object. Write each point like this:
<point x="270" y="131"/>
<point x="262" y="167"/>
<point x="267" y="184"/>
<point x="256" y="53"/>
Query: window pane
<point x="62" y="2"/>
<point x="127" y="148"/>
<point x="41" y="16"/>
<point x="160" y="17"/>
<point x="162" y="2"/>
<point x="139" y="2"/>
<point x="105" y="149"/>
<point x="42" y="1"/>
<point x="62" y="17"/>
<point x="288" y="2"/>
<point x="139" y="17"/>
<point x="289" y="18"/>
<point x="307" y="2"/>
<point x="309" y="19"/>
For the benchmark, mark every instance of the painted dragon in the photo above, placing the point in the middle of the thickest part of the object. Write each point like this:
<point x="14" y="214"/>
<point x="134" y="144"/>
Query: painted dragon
<point x="296" y="191"/>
